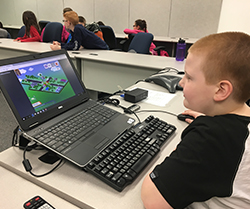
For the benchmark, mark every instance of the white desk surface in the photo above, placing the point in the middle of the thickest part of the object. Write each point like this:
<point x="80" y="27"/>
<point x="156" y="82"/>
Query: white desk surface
<point x="13" y="26"/>
<point x="24" y="46"/>
<point x="129" y="59"/>
<point x="85" y="190"/>
<point x="163" y="38"/>
<point x="121" y="58"/>
<point x="15" y="191"/>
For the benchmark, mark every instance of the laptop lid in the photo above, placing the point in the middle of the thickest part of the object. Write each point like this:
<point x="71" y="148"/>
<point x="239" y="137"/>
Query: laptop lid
<point x="40" y="86"/>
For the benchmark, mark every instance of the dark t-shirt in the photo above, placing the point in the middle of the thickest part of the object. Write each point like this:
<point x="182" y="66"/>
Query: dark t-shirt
<point x="85" y="38"/>
<point x="205" y="162"/>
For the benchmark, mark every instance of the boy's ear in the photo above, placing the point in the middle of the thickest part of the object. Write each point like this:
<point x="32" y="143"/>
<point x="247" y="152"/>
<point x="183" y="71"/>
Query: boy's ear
<point x="224" y="90"/>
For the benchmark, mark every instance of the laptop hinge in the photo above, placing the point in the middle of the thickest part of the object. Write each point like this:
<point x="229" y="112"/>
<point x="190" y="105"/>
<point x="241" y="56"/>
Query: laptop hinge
<point x="34" y="124"/>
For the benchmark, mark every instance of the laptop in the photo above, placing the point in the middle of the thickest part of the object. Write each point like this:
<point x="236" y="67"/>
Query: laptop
<point x="45" y="89"/>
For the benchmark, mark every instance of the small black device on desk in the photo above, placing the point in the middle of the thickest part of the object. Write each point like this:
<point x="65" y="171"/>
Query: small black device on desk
<point x="135" y="95"/>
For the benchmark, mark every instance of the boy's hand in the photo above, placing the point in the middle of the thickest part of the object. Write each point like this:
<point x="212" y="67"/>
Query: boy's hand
<point x="55" y="46"/>
<point x="56" y="43"/>
<point x="191" y="113"/>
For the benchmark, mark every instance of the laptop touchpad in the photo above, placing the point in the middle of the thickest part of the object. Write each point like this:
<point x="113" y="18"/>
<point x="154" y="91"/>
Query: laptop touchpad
<point x="97" y="141"/>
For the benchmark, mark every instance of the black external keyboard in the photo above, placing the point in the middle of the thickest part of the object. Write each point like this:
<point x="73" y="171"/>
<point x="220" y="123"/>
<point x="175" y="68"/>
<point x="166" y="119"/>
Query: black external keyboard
<point x="123" y="160"/>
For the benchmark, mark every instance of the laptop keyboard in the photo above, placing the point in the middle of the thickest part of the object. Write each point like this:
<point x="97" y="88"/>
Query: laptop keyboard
<point x="123" y="160"/>
<point x="67" y="134"/>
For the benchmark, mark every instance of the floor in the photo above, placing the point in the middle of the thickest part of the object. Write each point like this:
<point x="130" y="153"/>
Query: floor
<point x="7" y="124"/>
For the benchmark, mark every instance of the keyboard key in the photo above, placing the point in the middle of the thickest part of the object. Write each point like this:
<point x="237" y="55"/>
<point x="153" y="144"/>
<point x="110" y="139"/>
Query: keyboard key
<point x="121" y="162"/>
<point x="142" y="162"/>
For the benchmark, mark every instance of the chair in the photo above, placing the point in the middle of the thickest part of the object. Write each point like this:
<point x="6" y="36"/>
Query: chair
<point x="126" y="42"/>
<point x="4" y="33"/>
<point x="109" y="36"/>
<point x="141" y="43"/>
<point x="21" y="31"/>
<point x="43" y="23"/>
<point x="52" y="32"/>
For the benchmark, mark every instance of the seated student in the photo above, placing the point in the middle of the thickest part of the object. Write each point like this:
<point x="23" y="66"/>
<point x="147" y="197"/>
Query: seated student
<point x="94" y="27"/>
<point x="4" y="33"/>
<point x="80" y="35"/>
<point x="32" y="28"/>
<point x="66" y="37"/>
<point x="82" y="21"/>
<point x="210" y="166"/>
<point x="139" y="27"/>
<point x="100" y="23"/>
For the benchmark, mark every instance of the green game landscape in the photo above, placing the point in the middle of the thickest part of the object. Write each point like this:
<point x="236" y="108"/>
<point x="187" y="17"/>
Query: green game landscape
<point x="46" y="90"/>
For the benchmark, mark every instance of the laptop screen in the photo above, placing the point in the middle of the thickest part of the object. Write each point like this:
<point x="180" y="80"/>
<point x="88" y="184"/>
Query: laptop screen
<point x="40" y="86"/>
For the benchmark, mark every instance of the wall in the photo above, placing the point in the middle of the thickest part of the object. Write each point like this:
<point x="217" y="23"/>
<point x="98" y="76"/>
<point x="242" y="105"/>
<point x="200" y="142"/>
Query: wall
<point x="235" y="16"/>
<point x="165" y="18"/>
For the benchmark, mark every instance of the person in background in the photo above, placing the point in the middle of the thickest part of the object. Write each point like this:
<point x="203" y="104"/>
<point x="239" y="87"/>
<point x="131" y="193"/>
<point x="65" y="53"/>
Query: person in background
<point x="66" y="36"/>
<point x="82" y="21"/>
<point x="3" y="33"/>
<point x="100" y="23"/>
<point x="94" y="27"/>
<point x="81" y="37"/>
<point x="31" y="28"/>
<point x="140" y="26"/>
<point x="210" y="166"/>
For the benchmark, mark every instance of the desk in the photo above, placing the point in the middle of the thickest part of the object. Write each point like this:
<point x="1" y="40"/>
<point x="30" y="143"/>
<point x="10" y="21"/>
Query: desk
<point x="103" y="70"/>
<point x="168" y="42"/>
<point x="15" y="191"/>
<point x="10" y="48"/>
<point x="163" y="38"/>
<point x="83" y="189"/>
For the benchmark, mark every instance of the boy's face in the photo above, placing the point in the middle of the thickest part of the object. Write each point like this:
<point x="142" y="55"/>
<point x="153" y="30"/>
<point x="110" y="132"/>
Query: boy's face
<point x="198" y="95"/>
<point x="66" y="23"/>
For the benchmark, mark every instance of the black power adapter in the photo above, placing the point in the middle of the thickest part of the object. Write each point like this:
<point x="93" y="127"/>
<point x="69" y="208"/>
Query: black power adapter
<point x="135" y="95"/>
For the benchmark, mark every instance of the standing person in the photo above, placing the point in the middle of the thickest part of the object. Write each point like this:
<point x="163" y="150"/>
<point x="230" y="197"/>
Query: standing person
<point x="210" y="166"/>
<point x="80" y="35"/>
<point x="140" y="26"/>
<point x="32" y="29"/>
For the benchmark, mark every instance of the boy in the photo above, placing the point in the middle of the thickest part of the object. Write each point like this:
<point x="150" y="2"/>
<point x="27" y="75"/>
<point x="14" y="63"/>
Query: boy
<point x="80" y="35"/>
<point x="210" y="166"/>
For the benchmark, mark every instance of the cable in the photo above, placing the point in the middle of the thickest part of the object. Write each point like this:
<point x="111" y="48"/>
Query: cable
<point x="170" y="113"/>
<point x="136" y="116"/>
<point x="15" y="137"/>
<point x="28" y="166"/>
<point x="168" y="69"/>
<point x="114" y="102"/>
